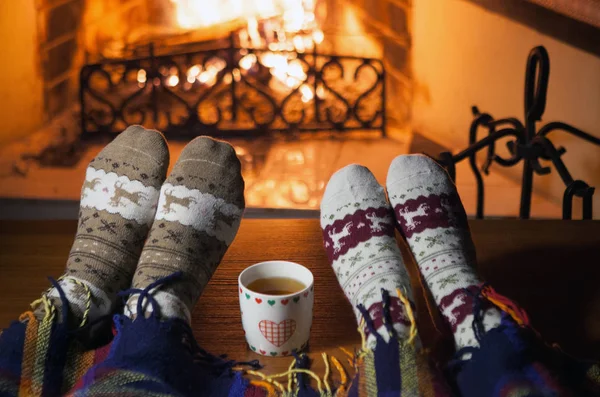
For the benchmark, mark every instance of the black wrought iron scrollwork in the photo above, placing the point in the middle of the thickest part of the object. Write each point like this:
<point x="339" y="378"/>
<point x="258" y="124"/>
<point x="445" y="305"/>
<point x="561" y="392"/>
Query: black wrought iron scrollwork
<point x="364" y="100"/>
<point x="233" y="101"/>
<point x="527" y="144"/>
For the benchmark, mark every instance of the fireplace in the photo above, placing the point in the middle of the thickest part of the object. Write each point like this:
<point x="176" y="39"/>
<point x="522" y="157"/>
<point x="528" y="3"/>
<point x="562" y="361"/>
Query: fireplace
<point x="299" y="87"/>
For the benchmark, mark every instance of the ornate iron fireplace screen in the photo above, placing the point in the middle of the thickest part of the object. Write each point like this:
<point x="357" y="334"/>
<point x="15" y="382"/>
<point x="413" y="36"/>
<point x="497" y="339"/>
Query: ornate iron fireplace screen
<point x="528" y="145"/>
<point x="240" y="99"/>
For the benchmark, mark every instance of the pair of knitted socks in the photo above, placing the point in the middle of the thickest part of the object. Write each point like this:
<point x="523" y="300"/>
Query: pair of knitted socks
<point x="136" y="228"/>
<point x="358" y="226"/>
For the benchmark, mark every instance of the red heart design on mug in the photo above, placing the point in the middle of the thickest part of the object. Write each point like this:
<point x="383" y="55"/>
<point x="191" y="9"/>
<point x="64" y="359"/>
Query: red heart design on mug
<point x="284" y="301"/>
<point x="277" y="333"/>
<point x="240" y="290"/>
<point x="285" y="353"/>
<point x="263" y="352"/>
<point x="258" y="300"/>
<point x="306" y="294"/>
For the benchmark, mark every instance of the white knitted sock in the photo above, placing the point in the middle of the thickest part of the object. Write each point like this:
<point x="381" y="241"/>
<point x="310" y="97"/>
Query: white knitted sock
<point x="431" y="217"/>
<point x="358" y="233"/>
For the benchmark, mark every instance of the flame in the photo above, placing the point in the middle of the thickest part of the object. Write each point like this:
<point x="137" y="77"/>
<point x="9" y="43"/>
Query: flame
<point x="279" y="16"/>
<point x="211" y="71"/>
<point x="295" y="70"/>
<point x="307" y="93"/>
<point x="192" y="14"/>
<point x="248" y="61"/>
<point x="172" y="80"/>
<point x="253" y="34"/>
<point x="318" y="36"/>
<point x="320" y="91"/>
<point x="281" y="26"/>
<point x="141" y="76"/>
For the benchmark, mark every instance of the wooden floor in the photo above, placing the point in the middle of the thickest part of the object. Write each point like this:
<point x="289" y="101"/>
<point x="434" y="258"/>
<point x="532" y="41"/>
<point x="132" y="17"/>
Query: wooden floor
<point x="549" y="267"/>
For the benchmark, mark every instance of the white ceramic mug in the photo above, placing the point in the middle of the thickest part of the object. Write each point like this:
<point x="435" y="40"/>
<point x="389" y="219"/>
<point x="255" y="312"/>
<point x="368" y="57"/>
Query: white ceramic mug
<point x="276" y="325"/>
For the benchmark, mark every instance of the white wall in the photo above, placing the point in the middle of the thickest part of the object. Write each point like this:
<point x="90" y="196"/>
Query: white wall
<point x="21" y="101"/>
<point x="465" y="55"/>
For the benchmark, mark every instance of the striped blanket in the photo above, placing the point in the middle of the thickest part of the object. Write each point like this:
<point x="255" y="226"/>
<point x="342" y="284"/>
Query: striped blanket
<point x="149" y="357"/>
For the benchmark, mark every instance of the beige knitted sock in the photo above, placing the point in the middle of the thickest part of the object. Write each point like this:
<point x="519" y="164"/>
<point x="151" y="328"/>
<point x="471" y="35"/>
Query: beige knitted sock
<point x="118" y="203"/>
<point x="199" y="212"/>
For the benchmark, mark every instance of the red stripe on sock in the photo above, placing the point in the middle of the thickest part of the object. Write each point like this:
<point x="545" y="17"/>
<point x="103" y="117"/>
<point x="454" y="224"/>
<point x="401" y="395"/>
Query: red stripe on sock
<point x="356" y="228"/>
<point x="456" y="306"/>
<point x="430" y="212"/>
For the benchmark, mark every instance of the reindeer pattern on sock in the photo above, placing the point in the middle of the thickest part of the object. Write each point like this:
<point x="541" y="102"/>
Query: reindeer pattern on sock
<point x="448" y="311"/>
<point x="91" y="185"/>
<point x="430" y="212"/>
<point x="171" y="199"/>
<point x="456" y="307"/>
<point x="363" y="225"/>
<point x="336" y="237"/>
<point x="377" y="223"/>
<point x="409" y="216"/>
<point x="224" y="221"/>
<point x="448" y="209"/>
<point x="121" y="193"/>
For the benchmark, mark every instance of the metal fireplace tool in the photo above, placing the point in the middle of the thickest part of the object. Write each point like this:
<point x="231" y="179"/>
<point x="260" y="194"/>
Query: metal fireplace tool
<point x="529" y="145"/>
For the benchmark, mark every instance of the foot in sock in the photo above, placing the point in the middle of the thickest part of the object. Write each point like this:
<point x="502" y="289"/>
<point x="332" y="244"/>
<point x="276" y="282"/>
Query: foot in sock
<point x="118" y="203"/>
<point x="431" y="217"/>
<point x="198" y="215"/>
<point x="358" y="233"/>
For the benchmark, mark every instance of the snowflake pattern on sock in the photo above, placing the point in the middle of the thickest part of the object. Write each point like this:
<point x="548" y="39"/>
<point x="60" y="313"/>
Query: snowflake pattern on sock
<point x="198" y="214"/>
<point x="358" y="236"/>
<point x="118" y="202"/>
<point x="431" y="217"/>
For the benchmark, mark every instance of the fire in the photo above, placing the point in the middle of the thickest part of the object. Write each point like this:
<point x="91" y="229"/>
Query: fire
<point x="172" y="80"/>
<point x="274" y="23"/>
<point x="248" y="61"/>
<point x="201" y="13"/>
<point x="284" y="27"/>
<point x="141" y="76"/>
<point x="307" y="93"/>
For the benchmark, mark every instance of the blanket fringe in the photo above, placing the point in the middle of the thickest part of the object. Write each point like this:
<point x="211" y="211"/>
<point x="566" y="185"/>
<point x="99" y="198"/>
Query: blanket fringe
<point x="324" y="385"/>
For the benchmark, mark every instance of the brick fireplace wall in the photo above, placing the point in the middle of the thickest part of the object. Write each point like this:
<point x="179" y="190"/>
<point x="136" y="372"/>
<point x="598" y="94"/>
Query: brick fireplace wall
<point x="59" y="36"/>
<point x="59" y="23"/>
<point x="388" y="22"/>
<point x="72" y="32"/>
<point x="48" y="41"/>
<point x="22" y="104"/>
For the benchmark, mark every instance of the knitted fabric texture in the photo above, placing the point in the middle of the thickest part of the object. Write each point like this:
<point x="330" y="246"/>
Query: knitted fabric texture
<point x="358" y="235"/>
<point x="396" y="367"/>
<point x="199" y="212"/>
<point x="138" y="362"/>
<point x="118" y="202"/>
<point x="431" y="218"/>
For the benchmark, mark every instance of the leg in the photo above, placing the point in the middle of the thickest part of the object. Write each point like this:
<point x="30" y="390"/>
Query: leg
<point x="358" y="233"/>
<point x="118" y="202"/>
<point x="49" y="348"/>
<point x="432" y="219"/>
<point x="199" y="211"/>
<point x="492" y="354"/>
